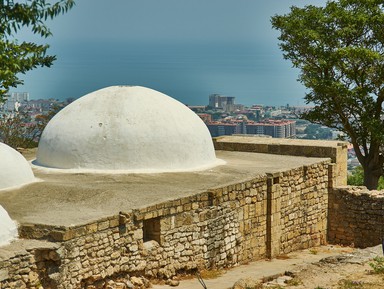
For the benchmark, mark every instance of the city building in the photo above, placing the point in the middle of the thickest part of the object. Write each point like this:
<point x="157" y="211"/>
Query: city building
<point x="226" y="103"/>
<point x="273" y="128"/>
<point x="219" y="128"/>
<point x="197" y="108"/>
<point x="206" y="117"/>
<point x="14" y="100"/>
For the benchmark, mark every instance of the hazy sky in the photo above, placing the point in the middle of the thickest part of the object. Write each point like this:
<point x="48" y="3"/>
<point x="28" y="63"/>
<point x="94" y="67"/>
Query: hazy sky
<point x="186" y="49"/>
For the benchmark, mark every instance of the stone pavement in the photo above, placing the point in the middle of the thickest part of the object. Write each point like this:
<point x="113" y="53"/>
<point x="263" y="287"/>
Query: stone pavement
<point x="264" y="268"/>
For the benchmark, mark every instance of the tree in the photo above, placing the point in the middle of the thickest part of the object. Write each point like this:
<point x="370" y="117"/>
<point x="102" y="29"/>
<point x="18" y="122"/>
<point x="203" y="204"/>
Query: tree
<point x="20" y="130"/>
<point x="17" y="131"/>
<point x="15" y="57"/>
<point x="339" y="50"/>
<point x="356" y="178"/>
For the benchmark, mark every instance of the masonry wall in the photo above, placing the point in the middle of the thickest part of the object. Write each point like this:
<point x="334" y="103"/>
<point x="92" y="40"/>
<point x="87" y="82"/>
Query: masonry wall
<point x="303" y="207"/>
<point x="29" y="264"/>
<point x="356" y="216"/>
<point x="335" y="150"/>
<point x="270" y="215"/>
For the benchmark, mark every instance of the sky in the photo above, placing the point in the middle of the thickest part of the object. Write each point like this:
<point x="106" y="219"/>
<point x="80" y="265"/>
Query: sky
<point x="186" y="49"/>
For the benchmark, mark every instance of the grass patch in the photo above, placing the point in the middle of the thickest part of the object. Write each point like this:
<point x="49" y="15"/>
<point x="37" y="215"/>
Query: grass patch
<point x="350" y="284"/>
<point x="211" y="274"/>
<point x="377" y="265"/>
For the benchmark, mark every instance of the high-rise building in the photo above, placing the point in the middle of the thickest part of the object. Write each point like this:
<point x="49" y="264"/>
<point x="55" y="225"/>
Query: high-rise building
<point x="226" y="103"/>
<point x="13" y="98"/>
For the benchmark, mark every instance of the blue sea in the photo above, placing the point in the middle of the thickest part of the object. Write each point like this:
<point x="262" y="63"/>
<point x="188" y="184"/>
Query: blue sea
<point x="253" y="73"/>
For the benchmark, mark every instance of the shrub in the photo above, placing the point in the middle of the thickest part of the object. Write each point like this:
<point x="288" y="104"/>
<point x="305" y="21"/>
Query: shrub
<point x="357" y="178"/>
<point x="377" y="265"/>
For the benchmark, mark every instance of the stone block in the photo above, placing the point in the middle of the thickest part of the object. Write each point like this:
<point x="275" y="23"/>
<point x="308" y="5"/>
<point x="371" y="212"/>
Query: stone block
<point x="4" y="274"/>
<point x="114" y="222"/>
<point x="91" y="228"/>
<point x="103" y="225"/>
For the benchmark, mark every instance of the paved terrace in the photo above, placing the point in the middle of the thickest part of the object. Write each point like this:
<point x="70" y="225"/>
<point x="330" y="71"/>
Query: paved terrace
<point x="65" y="199"/>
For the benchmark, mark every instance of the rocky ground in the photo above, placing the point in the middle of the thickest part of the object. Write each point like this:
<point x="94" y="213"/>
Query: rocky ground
<point x="326" y="267"/>
<point x="348" y="270"/>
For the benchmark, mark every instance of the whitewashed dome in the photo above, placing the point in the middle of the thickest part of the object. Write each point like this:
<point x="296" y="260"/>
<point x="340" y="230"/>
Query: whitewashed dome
<point x="14" y="168"/>
<point x="8" y="228"/>
<point x="128" y="128"/>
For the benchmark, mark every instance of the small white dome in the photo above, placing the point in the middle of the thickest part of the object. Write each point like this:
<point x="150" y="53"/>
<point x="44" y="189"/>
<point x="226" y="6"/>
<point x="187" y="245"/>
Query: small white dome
<point x="14" y="168"/>
<point x="128" y="128"/>
<point x="8" y="228"/>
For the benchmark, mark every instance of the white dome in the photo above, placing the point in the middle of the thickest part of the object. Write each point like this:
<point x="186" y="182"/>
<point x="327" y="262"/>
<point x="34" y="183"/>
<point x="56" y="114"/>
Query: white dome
<point x="14" y="168"/>
<point x="8" y="228"/>
<point x="128" y="128"/>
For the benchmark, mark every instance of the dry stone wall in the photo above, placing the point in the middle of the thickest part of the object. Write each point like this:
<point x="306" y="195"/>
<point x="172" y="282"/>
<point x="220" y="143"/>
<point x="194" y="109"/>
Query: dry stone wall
<point x="303" y="207"/>
<point x="269" y="215"/>
<point x="335" y="150"/>
<point x="27" y="263"/>
<point x="356" y="216"/>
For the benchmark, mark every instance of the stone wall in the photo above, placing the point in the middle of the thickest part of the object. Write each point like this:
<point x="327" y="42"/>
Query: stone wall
<point x="356" y="216"/>
<point x="303" y="207"/>
<point x="28" y="264"/>
<point x="335" y="150"/>
<point x="267" y="216"/>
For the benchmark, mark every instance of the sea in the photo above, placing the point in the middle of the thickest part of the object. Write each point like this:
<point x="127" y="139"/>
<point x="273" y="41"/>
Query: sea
<point x="255" y="73"/>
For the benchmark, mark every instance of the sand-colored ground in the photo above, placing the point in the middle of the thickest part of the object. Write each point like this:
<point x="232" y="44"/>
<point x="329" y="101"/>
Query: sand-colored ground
<point x="324" y="267"/>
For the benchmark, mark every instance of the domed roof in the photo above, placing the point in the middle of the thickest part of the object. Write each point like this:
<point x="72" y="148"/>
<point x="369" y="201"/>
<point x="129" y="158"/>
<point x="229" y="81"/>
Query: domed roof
<point x="128" y="128"/>
<point x="14" y="168"/>
<point x="8" y="228"/>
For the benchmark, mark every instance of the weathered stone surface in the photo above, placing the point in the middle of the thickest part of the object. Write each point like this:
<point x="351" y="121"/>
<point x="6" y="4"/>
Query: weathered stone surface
<point x="246" y="283"/>
<point x="137" y="281"/>
<point x="172" y="282"/>
<point x="356" y="216"/>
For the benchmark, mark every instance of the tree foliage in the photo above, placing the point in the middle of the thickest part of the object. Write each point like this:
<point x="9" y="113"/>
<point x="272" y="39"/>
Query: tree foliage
<point x="17" y="131"/>
<point x="20" y="130"/>
<point x="356" y="178"/>
<point x="19" y="57"/>
<point x="339" y="50"/>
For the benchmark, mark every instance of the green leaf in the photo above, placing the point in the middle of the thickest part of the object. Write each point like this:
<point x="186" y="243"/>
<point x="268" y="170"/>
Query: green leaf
<point x="19" y="58"/>
<point x="339" y="51"/>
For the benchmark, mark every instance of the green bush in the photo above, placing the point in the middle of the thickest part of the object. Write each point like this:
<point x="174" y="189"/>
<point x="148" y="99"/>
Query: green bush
<point x="357" y="178"/>
<point x="377" y="265"/>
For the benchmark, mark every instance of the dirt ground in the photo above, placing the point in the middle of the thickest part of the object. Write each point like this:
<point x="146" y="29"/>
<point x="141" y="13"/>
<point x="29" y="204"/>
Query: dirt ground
<point x="325" y="267"/>
<point x="339" y="276"/>
<point x="348" y="270"/>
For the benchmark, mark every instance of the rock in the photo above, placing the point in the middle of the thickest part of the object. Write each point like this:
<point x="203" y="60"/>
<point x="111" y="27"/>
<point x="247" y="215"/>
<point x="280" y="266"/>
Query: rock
<point x="146" y="282"/>
<point x="335" y="259"/>
<point x="129" y="284"/>
<point x="172" y="283"/>
<point x="283" y="280"/>
<point x="246" y="283"/>
<point x="99" y="284"/>
<point x="120" y="285"/>
<point x="33" y="277"/>
<point x="137" y="281"/>
<point x="109" y="284"/>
